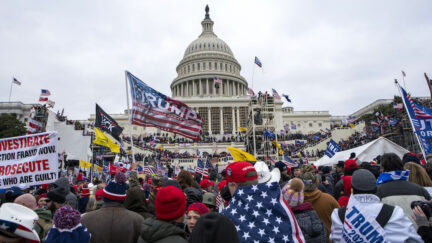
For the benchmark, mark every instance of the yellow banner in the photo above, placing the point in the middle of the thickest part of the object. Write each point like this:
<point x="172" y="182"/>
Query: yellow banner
<point x="85" y="164"/>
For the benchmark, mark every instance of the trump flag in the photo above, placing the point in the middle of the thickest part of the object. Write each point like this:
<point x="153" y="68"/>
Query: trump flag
<point x="151" y="108"/>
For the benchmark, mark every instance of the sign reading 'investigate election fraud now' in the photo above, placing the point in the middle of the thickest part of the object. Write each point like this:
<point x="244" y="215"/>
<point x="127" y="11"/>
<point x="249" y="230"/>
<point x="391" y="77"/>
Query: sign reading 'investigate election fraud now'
<point x="28" y="160"/>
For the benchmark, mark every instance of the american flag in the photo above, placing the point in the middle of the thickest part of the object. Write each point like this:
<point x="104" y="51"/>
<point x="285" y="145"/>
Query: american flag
<point x="219" y="201"/>
<point x="275" y="94"/>
<point x="217" y="80"/>
<point x="34" y="126"/>
<point x="45" y="92"/>
<point x="201" y="168"/>
<point x="419" y="111"/>
<point x="271" y="159"/>
<point x="251" y="92"/>
<point x="398" y="106"/>
<point x="148" y="170"/>
<point x="258" y="62"/>
<point x="289" y="162"/>
<point x="15" y="81"/>
<point x="153" y="109"/>
<point x="261" y="214"/>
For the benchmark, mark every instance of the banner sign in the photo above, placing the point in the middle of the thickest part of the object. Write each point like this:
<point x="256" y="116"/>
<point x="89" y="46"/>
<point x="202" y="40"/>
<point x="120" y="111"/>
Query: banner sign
<point x="28" y="160"/>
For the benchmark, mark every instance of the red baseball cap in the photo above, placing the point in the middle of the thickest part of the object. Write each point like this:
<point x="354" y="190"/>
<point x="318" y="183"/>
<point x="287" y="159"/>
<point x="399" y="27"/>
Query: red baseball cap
<point x="206" y="183"/>
<point x="350" y="164"/>
<point x="236" y="172"/>
<point x="221" y="184"/>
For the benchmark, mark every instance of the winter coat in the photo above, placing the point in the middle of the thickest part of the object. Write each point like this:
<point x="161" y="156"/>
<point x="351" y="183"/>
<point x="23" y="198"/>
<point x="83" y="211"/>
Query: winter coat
<point x="312" y="227"/>
<point x="44" y="223"/>
<point x="338" y="189"/>
<point x="82" y="204"/>
<point x="157" y="231"/>
<point x="113" y="223"/>
<point x="323" y="204"/>
<point x="402" y="193"/>
<point x="136" y="198"/>
<point x="398" y="229"/>
<point x="62" y="185"/>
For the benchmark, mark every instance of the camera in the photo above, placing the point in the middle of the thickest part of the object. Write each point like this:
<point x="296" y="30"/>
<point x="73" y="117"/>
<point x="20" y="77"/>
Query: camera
<point x="425" y="206"/>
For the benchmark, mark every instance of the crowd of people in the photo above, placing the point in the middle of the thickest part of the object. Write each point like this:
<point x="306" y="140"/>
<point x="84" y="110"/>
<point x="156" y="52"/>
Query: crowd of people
<point x="387" y="200"/>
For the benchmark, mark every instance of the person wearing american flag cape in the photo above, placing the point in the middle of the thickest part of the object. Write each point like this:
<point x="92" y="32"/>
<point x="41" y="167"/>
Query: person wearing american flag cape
<point x="258" y="211"/>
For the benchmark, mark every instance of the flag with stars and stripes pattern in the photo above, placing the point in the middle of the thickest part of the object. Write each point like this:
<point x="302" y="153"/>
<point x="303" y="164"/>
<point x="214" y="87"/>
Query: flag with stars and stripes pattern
<point x="261" y="214"/>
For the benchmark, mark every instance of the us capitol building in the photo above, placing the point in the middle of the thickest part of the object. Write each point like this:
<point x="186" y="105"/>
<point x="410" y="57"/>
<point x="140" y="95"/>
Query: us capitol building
<point x="225" y="107"/>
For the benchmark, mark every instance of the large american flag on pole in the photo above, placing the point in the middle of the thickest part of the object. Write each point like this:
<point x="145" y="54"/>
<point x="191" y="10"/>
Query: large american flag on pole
<point x="261" y="214"/>
<point x="151" y="108"/>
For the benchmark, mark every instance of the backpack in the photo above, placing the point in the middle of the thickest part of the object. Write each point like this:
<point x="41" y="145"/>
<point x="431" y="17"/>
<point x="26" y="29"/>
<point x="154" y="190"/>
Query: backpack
<point x="383" y="216"/>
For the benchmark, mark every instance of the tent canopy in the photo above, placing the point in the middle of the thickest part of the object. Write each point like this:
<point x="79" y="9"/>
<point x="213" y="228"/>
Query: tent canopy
<point x="364" y="153"/>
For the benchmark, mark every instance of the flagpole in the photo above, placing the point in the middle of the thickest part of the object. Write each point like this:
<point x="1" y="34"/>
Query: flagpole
<point x="253" y="73"/>
<point x="429" y="83"/>
<point x="409" y="116"/>
<point x="130" y="121"/>
<point x="403" y="78"/>
<point x="10" y="91"/>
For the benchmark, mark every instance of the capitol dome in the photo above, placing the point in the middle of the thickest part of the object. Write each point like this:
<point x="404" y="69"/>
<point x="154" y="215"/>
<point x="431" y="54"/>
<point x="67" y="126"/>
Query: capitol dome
<point x="205" y="59"/>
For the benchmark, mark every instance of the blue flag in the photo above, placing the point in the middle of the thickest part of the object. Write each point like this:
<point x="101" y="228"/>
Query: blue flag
<point x="260" y="214"/>
<point x="287" y="97"/>
<point x="421" y="118"/>
<point x="332" y="148"/>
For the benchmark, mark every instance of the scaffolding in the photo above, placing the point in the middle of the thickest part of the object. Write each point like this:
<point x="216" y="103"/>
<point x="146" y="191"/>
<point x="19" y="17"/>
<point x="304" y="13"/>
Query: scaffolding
<point x="261" y="117"/>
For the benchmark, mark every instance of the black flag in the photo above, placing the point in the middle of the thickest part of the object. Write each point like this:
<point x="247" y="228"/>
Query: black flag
<point x="107" y="124"/>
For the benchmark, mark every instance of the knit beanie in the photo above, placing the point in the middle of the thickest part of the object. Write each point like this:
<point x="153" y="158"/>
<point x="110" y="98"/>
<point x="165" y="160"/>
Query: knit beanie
<point x="56" y="196"/>
<point x="200" y="208"/>
<point x="115" y="191"/>
<point x="281" y="166"/>
<point x="170" y="203"/>
<point x="214" y="228"/>
<point x="99" y="194"/>
<point x="293" y="192"/>
<point x="67" y="227"/>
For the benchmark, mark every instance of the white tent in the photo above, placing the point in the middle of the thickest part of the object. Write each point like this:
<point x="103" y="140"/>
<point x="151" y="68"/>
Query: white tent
<point x="365" y="153"/>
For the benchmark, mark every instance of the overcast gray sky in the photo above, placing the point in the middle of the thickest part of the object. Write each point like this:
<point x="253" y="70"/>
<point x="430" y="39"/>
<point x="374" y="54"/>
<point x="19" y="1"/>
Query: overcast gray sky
<point x="327" y="55"/>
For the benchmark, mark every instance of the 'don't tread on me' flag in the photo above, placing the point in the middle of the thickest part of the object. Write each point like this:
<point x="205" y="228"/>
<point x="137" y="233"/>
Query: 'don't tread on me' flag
<point x="151" y="108"/>
<point x="29" y="160"/>
<point x="106" y="123"/>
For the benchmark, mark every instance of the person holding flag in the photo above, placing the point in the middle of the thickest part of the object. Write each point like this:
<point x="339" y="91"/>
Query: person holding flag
<point x="258" y="211"/>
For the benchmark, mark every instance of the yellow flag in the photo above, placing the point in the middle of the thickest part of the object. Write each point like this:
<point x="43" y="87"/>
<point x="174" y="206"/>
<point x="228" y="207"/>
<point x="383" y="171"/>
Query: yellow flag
<point x="242" y="129"/>
<point x="281" y="152"/>
<point x="276" y="144"/>
<point x="352" y="125"/>
<point x="84" y="164"/>
<point x="240" y="155"/>
<point x="103" y="140"/>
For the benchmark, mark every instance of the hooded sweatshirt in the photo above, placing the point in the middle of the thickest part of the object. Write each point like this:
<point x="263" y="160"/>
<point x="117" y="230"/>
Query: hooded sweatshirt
<point x="62" y="186"/>
<point x="323" y="204"/>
